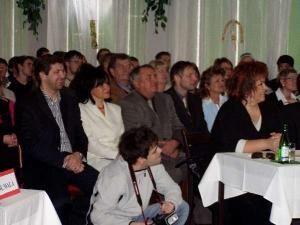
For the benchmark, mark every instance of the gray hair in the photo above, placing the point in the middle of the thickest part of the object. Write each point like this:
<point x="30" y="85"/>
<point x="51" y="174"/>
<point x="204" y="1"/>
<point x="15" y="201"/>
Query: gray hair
<point x="136" y="72"/>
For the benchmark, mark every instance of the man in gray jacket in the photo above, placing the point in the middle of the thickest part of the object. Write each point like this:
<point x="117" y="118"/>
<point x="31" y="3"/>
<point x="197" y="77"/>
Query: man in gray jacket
<point x="124" y="187"/>
<point x="146" y="107"/>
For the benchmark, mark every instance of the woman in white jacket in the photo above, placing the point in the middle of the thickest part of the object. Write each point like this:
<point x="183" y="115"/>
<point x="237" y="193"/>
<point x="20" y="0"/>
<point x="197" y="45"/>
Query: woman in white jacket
<point x="101" y="120"/>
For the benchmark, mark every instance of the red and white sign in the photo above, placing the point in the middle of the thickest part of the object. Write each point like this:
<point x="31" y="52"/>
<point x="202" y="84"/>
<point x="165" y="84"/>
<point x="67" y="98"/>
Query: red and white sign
<point x="8" y="184"/>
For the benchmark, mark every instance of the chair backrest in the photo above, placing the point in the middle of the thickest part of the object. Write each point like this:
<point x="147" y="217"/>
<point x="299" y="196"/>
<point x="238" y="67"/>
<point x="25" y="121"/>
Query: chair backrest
<point x="197" y="146"/>
<point x="191" y="139"/>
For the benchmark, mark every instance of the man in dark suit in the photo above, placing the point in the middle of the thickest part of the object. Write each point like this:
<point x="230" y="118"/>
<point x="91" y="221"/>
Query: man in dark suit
<point x="146" y="107"/>
<point x="50" y="132"/>
<point x="184" y="76"/>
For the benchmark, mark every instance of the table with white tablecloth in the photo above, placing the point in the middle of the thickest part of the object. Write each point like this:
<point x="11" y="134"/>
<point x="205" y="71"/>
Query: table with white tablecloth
<point x="30" y="207"/>
<point x="278" y="183"/>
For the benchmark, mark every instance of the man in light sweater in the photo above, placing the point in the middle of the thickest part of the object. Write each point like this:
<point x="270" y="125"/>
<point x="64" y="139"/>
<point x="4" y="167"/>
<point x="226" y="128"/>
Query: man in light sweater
<point x="124" y="187"/>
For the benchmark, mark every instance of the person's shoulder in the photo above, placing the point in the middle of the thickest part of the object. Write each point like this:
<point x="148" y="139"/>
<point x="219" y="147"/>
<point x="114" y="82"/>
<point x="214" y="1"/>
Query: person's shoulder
<point x="192" y="97"/>
<point x="68" y="93"/>
<point x="170" y="91"/>
<point x="118" y="168"/>
<point x="131" y="98"/>
<point x="271" y="97"/>
<point x="231" y="105"/>
<point x="269" y="106"/>
<point x="292" y="109"/>
<point x="31" y="97"/>
<point x="9" y="94"/>
<point x="163" y="96"/>
<point x="113" y="106"/>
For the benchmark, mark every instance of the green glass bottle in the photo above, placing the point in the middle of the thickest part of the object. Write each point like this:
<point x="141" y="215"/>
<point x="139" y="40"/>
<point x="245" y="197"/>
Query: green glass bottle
<point x="283" y="150"/>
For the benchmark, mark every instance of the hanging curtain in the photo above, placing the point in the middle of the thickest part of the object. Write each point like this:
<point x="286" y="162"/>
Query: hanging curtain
<point x="118" y="26"/>
<point x="194" y="29"/>
<point x="14" y="38"/>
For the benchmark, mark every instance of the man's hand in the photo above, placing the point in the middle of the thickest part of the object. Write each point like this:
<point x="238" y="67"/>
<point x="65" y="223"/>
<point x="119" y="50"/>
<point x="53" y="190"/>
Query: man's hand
<point x="167" y="207"/>
<point x="169" y="148"/>
<point x="73" y="162"/>
<point x="10" y="140"/>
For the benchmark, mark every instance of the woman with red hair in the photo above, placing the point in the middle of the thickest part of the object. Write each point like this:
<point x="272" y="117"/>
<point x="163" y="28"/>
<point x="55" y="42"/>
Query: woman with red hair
<point x="246" y="123"/>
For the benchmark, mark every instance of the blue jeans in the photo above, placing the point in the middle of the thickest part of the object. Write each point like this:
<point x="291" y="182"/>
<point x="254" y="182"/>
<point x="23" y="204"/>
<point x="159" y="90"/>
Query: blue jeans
<point x="151" y="211"/>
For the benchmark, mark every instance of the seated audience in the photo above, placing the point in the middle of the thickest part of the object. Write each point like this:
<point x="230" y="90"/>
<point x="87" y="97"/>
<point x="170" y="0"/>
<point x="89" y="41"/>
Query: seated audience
<point x="226" y="65"/>
<point x="42" y="51"/>
<point x="9" y="156"/>
<point x="283" y="62"/>
<point x="124" y="187"/>
<point x="165" y="57"/>
<point x="246" y="58"/>
<point x="60" y="54"/>
<point x="146" y="107"/>
<point x="4" y="92"/>
<point x="134" y="62"/>
<point x="162" y="75"/>
<point x="105" y="64"/>
<point x="12" y="69"/>
<point x="184" y="77"/>
<point x="22" y="83"/>
<point x="246" y="123"/>
<point x="212" y="87"/>
<point x="119" y="69"/>
<point x="284" y="95"/>
<point x="101" y="54"/>
<point x="102" y="121"/>
<point x="50" y="133"/>
<point x="73" y="61"/>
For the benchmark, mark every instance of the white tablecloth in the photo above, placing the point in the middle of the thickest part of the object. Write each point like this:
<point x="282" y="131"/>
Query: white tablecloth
<point x="280" y="184"/>
<point x="30" y="207"/>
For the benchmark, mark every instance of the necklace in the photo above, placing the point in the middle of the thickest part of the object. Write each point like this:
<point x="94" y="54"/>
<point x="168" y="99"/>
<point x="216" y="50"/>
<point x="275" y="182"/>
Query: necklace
<point x="101" y="107"/>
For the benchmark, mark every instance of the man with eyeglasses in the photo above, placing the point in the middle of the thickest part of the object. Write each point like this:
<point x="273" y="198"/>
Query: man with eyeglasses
<point x="124" y="187"/>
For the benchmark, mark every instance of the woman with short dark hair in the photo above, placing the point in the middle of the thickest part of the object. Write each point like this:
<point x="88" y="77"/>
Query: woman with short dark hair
<point x="101" y="120"/>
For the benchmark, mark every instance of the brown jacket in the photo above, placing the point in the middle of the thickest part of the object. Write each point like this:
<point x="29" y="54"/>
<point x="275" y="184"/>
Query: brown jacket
<point x="116" y="93"/>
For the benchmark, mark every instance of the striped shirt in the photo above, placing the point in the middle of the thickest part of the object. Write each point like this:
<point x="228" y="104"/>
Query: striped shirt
<point x="54" y="105"/>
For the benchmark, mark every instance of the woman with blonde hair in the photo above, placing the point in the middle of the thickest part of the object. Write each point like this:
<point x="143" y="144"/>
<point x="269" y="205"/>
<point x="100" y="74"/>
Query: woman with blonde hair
<point x="162" y="75"/>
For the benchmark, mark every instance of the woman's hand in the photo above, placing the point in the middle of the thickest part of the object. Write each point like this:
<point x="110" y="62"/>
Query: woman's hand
<point x="274" y="141"/>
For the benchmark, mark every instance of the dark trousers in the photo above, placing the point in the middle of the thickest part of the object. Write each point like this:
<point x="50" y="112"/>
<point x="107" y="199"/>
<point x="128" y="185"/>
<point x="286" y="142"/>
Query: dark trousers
<point x="55" y="182"/>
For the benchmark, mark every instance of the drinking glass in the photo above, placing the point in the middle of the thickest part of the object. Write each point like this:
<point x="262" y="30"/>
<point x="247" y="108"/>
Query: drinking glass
<point x="292" y="149"/>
